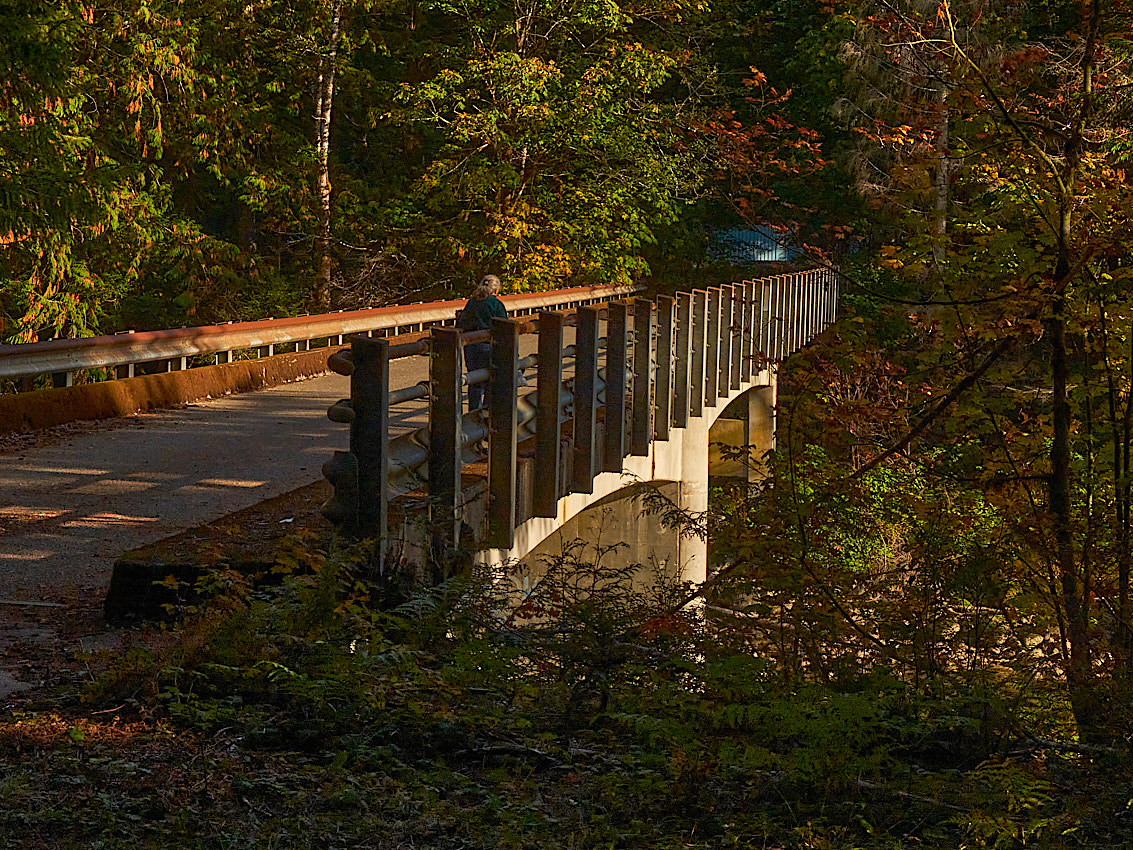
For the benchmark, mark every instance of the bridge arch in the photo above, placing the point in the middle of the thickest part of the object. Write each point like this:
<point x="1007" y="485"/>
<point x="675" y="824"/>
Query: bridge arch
<point x="682" y="461"/>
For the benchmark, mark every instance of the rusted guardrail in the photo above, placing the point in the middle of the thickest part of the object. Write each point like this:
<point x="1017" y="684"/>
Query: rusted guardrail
<point x="174" y="347"/>
<point x="665" y="361"/>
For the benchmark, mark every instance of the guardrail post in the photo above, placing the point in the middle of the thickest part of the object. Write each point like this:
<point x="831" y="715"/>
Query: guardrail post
<point x="548" y="439"/>
<point x="682" y="360"/>
<point x="585" y="399"/>
<point x="712" y="349"/>
<point x="664" y="382"/>
<point x="615" y="421"/>
<point x="369" y="438"/>
<point x="699" y="345"/>
<point x="446" y="401"/>
<point x="641" y="434"/>
<point x="503" y="386"/>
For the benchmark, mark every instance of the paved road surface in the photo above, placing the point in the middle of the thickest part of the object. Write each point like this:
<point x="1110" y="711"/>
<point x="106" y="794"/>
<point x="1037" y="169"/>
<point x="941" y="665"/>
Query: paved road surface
<point x="70" y="509"/>
<point x="67" y="511"/>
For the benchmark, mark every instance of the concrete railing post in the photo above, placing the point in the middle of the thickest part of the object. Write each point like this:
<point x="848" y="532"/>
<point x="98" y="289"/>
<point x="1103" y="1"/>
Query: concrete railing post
<point x="747" y="330"/>
<point x="724" y="379"/>
<point x="682" y="360"/>
<point x="697" y="379"/>
<point x="778" y="318"/>
<point x="614" y="448"/>
<point x="585" y="400"/>
<point x="641" y="434"/>
<point x="737" y="336"/>
<point x="805" y="305"/>
<point x="767" y="319"/>
<point x="813" y="304"/>
<point x="446" y="402"/>
<point x="548" y="439"/>
<point x="712" y="349"/>
<point x="832" y="297"/>
<point x="369" y="438"/>
<point x="818" y="301"/>
<point x="503" y="387"/>
<point x="796" y="313"/>
<point x="787" y="312"/>
<point x="664" y="381"/>
<point x="827" y="289"/>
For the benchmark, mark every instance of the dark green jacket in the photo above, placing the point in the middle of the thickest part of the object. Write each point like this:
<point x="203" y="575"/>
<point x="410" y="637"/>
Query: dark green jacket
<point x="478" y="315"/>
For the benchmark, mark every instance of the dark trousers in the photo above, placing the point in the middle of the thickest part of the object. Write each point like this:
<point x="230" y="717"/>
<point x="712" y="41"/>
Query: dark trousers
<point x="478" y="355"/>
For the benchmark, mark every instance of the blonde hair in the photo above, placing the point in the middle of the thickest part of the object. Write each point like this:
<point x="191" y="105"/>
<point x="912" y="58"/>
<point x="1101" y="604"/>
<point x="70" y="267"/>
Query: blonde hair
<point x="488" y="286"/>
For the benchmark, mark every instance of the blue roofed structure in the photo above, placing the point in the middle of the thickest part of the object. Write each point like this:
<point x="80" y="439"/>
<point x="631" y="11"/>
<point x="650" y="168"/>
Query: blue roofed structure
<point x="758" y="244"/>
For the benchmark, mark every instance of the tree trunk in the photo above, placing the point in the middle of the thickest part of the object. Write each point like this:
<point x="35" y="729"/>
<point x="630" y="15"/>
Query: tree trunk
<point x="1124" y="632"/>
<point x="1076" y="589"/>
<point x="942" y="179"/>
<point x="324" y="99"/>
<point x="1074" y="593"/>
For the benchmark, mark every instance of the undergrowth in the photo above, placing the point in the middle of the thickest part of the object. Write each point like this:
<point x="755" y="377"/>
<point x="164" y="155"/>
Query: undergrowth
<point x="593" y="713"/>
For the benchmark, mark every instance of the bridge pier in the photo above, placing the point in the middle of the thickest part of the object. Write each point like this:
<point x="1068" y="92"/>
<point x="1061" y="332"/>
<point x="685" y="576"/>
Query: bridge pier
<point x="693" y="498"/>
<point x="743" y="434"/>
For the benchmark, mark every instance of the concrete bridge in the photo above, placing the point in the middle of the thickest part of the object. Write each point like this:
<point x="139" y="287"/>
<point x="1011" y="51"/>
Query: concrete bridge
<point x="623" y="392"/>
<point x="710" y="360"/>
<point x="69" y="509"/>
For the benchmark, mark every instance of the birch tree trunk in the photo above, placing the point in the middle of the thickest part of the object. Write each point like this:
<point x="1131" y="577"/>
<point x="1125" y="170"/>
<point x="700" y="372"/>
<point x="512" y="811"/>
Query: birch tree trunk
<point x="324" y="99"/>
<point x="942" y="179"/>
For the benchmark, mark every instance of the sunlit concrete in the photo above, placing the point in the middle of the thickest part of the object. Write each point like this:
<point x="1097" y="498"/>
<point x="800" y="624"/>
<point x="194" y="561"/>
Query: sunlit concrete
<point x="683" y="458"/>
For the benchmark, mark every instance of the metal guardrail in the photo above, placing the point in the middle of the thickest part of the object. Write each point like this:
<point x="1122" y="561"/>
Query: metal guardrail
<point x="175" y="346"/>
<point x="665" y="362"/>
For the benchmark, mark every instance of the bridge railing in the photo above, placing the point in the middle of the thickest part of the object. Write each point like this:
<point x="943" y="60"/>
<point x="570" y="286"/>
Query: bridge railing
<point x="180" y="348"/>
<point x="664" y="362"/>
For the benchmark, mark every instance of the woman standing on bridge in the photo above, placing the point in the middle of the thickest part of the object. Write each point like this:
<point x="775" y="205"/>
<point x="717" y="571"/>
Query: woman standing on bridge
<point x="477" y="315"/>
